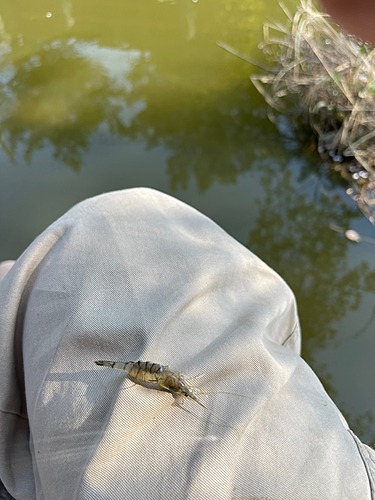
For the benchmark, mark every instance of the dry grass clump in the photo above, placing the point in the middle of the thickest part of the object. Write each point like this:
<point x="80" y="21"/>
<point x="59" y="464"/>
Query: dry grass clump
<point x="326" y="77"/>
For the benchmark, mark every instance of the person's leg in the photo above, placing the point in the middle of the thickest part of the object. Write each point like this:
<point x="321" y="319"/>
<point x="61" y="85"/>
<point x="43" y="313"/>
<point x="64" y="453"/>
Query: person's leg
<point x="137" y="275"/>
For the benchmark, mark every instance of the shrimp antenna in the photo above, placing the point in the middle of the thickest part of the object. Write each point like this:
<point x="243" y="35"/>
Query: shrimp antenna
<point x="231" y="394"/>
<point x="221" y="420"/>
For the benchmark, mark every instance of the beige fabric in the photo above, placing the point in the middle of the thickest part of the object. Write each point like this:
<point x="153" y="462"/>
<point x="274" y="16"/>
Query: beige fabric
<point x="135" y="275"/>
<point x="5" y="267"/>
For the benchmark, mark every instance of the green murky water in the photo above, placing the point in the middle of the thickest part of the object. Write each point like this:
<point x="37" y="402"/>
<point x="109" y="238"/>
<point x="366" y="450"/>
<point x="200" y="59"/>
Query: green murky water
<point x="98" y="96"/>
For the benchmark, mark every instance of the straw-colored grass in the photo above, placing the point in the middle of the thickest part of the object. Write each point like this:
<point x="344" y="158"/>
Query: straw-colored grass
<point x="327" y="78"/>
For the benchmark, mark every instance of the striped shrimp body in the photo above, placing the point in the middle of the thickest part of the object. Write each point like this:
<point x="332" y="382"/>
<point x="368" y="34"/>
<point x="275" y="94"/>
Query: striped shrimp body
<point x="154" y="373"/>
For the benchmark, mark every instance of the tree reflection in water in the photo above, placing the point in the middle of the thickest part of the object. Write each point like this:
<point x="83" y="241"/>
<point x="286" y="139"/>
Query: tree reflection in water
<point x="62" y="95"/>
<point x="72" y="90"/>
<point x="294" y="238"/>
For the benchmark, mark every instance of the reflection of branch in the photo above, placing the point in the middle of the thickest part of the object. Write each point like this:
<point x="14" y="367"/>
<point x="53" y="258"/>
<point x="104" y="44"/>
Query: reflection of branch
<point x="360" y="331"/>
<point x="366" y="325"/>
<point x="8" y="150"/>
<point x="317" y="190"/>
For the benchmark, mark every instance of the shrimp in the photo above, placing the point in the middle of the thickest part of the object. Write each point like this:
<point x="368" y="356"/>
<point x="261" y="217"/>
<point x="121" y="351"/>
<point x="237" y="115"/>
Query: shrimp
<point x="154" y="373"/>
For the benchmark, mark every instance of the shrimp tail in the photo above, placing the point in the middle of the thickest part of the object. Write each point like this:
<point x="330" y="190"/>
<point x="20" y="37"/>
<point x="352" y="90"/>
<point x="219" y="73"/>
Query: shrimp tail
<point x="118" y="365"/>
